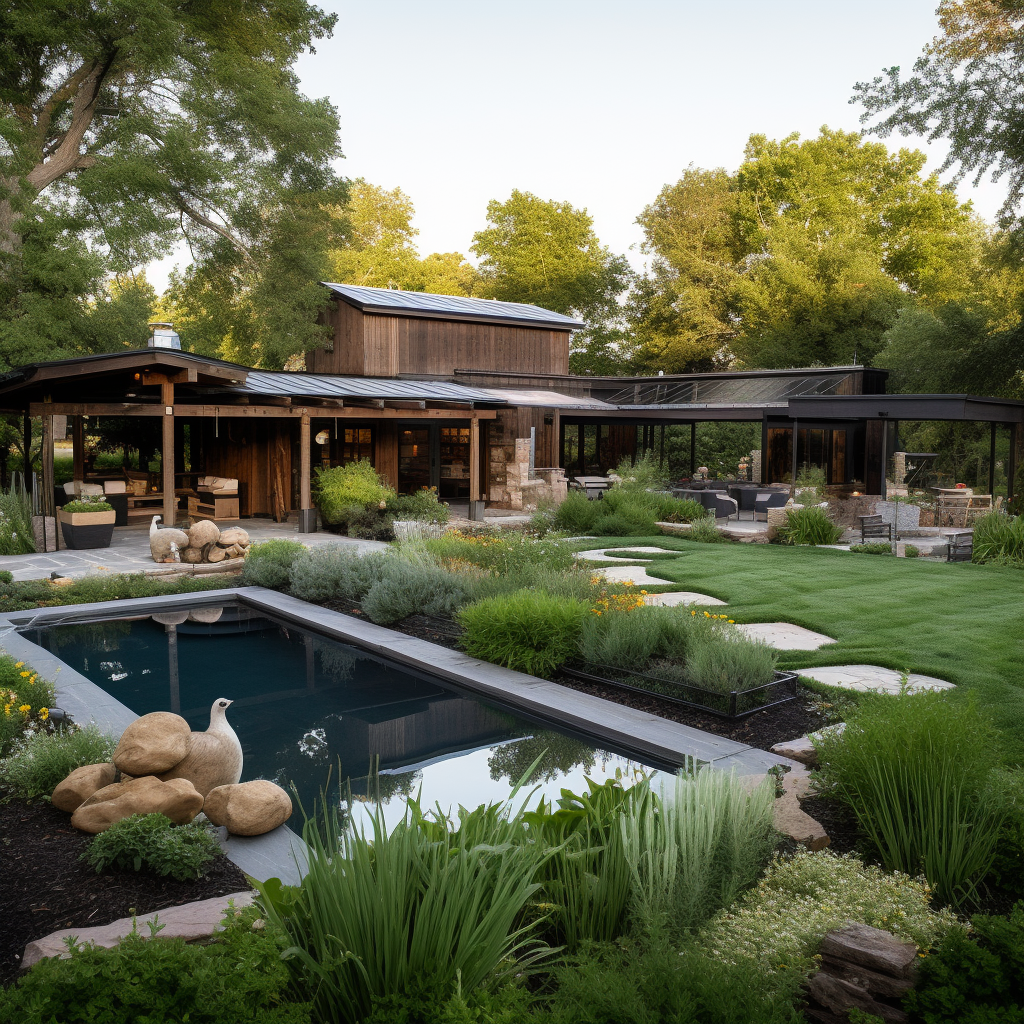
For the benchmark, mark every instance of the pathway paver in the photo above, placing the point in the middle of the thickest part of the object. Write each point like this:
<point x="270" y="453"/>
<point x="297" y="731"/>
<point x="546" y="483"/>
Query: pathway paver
<point x="784" y="636"/>
<point x="872" y="677"/>
<point x="680" y="597"/>
<point x="605" y="554"/>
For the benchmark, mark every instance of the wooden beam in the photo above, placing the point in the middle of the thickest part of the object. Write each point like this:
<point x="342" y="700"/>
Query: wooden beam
<point x="474" y="460"/>
<point x="77" y="448"/>
<point x="190" y="375"/>
<point x="167" y="454"/>
<point x="305" y="499"/>
<point x="46" y="459"/>
<point x="256" y="411"/>
<point x="395" y="403"/>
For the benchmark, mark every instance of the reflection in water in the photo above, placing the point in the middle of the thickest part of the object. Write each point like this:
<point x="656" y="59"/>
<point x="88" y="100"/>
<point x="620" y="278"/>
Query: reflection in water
<point x="318" y="715"/>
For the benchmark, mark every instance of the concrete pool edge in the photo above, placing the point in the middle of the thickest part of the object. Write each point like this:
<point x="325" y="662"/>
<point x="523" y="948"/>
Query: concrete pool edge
<point x="275" y="854"/>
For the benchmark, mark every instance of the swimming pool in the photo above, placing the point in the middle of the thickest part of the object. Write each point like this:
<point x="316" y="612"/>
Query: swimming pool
<point x="308" y="708"/>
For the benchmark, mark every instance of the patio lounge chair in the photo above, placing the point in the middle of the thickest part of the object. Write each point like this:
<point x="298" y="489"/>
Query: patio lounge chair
<point x="769" y="499"/>
<point x="873" y="527"/>
<point x="726" y="507"/>
<point x="960" y="547"/>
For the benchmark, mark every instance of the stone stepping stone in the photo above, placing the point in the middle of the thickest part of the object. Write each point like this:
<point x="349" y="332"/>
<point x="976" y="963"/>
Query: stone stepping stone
<point x="680" y="597"/>
<point x="871" y="677"/>
<point x="635" y="574"/>
<point x="603" y="554"/>
<point x="784" y="636"/>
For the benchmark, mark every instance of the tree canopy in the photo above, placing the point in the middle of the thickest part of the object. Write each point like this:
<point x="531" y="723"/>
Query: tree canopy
<point x="966" y="87"/>
<point x="805" y="255"/>
<point x="127" y="126"/>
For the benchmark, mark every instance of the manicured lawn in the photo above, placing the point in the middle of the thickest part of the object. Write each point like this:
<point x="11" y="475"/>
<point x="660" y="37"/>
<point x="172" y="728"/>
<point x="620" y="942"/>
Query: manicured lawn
<point x="958" y="621"/>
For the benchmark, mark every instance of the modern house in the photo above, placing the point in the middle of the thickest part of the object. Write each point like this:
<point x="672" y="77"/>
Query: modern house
<point x="468" y="395"/>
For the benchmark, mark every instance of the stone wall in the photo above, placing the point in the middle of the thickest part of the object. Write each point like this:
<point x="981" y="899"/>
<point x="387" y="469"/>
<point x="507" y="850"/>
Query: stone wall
<point x="510" y="484"/>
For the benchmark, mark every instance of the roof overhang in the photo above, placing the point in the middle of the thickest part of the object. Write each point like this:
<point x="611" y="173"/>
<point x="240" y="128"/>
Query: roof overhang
<point x="969" y="408"/>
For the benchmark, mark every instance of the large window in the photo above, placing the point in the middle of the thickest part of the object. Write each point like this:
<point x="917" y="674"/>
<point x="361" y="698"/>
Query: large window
<point x="356" y="444"/>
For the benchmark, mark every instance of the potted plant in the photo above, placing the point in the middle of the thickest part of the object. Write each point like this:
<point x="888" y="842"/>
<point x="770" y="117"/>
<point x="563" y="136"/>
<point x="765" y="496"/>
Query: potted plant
<point x="87" y="523"/>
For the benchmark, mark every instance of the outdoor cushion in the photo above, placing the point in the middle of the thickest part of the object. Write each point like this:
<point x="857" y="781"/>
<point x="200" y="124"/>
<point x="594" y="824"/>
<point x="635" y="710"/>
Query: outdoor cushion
<point x="90" y="488"/>
<point x="114" y="487"/>
<point x="70" y="487"/>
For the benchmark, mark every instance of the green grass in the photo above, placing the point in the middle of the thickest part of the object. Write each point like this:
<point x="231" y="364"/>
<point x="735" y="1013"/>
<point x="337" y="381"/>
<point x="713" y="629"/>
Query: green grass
<point x="956" y="621"/>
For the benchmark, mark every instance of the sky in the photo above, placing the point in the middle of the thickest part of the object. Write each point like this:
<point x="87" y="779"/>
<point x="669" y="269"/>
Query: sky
<point x="596" y="102"/>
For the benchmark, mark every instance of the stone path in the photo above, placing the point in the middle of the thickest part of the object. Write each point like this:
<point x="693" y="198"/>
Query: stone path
<point x="871" y="677"/>
<point x="603" y="554"/>
<point x="635" y="574"/>
<point x="784" y="636"/>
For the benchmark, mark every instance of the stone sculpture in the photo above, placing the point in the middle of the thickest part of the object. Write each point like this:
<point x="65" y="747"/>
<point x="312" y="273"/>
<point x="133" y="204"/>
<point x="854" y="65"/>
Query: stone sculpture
<point x="152" y="744"/>
<point x="166" y="545"/>
<point x="214" y="757"/>
<point x="203" y="542"/>
<point x="81" y="784"/>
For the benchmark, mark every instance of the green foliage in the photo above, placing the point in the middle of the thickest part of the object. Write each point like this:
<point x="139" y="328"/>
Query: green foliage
<point x="809" y="526"/>
<point x="917" y="770"/>
<point x="16" y="537"/>
<point x="87" y="504"/>
<point x="546" y="253"/>
<point x="529" y="632"/>
<point x="776" y="927"/>
<point x="633" y="639"/>
<point x="645" y="472"/>
<point x="135" y="154"/>
<point x="975" y="978"/>
<point x="429" y="1001"/>
<point x="46" y="759"/>
<point x="999" y="538"/>
<point x="150" y="842"/>
<point x="423" y="505"/>
<point x="378" y="915"/>
<point x="355" y="486"/>
<point x="89" y="589"/>
<point x="911" y="552"/>
<point x="334" y="572"/>
<point x="20" y="686"/>
<point x="873" y="549"/>
<point x="237" y="979"/>
<point x="733" y="664"/>
<point x="510" y="554"/>
<point x="409" y="587"/>
<point x="704" y="531"/>
<point x="269" y="563"/>
<point x="577" y="515"/>
<point x="6" y="577"/>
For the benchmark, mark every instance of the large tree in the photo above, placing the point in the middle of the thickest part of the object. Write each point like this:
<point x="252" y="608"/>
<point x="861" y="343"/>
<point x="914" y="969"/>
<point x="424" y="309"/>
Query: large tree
<point x="967" y="87"/>
<point x="547" y="253"/>
<point x="377" y="246"/>
<point x="125" y="126"/>
<point x="805" y="255"/>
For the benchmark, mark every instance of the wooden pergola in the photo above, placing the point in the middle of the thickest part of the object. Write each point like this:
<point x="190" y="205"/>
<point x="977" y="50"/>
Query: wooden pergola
<point x="174" y="385"/>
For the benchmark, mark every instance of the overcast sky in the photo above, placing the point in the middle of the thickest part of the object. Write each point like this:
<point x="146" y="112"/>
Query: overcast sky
<point x="596" y="102"/>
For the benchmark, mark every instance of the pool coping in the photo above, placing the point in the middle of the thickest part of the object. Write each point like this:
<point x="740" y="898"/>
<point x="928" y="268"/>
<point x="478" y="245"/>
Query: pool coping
<point x="279" y="853"/>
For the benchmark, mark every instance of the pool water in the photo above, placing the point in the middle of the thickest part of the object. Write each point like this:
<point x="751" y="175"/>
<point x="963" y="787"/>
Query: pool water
<point x="327" y="717"/>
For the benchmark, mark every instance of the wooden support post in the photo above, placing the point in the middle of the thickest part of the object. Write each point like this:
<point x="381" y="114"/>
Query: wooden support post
<point x="46" y="498"/>
<point x="796" y="445"/>
<point x="167" y="455"/>
<point x="474" y="460"/>
<point x="305" y="499"/>
<point x="78" y="448"/>
<point x="992" y="463"/>
<point x="26" y="469"/>
<point x="581" y="439"/>
<point x="764" y="449"/>
<point x="1011" y="468"/>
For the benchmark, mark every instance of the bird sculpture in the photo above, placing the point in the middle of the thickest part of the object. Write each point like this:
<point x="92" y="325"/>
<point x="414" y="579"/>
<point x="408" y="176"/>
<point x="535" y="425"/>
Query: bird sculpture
<point x="166" y="543"/>
<point x="214" y="757"/>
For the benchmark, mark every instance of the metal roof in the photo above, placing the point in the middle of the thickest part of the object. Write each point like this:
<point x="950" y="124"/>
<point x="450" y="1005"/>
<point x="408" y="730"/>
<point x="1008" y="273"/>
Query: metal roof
<point x="395" y="302"/>
<point x="545" y="399"/>
<point x="284" y="383"/>
<point x="745" y="390"/>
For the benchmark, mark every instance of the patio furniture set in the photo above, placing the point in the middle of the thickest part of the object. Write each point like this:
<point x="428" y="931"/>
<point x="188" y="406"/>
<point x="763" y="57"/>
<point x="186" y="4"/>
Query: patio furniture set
<point x="735" y="499"/>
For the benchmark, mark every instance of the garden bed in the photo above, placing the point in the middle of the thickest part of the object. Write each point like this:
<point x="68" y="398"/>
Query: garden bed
<point x="47" y="888"/>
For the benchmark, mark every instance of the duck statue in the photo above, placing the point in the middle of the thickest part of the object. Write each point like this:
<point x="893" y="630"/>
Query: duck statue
<point x="214" y="757"/>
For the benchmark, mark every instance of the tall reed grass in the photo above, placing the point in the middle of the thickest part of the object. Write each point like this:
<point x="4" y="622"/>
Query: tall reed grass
<point x="918" y="771"/>
<point x="999" y="538"/>
<point x="16" y="537"/>
<point x="429" y="904"/>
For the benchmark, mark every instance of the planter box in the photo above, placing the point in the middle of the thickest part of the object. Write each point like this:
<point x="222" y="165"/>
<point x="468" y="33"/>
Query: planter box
<point x="735" y="704"/>
<point x="87" y="529"/>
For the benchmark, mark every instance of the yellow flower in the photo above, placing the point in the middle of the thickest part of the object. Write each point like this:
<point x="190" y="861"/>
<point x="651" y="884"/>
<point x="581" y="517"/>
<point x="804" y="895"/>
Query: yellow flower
<point x="19" y="664"/>
<point x="44" y="713"/>
<point x="7" y="710"/>
<point x="25" y="675"/>
<point x="733" y="621"/>
<point x="25" y="708"/>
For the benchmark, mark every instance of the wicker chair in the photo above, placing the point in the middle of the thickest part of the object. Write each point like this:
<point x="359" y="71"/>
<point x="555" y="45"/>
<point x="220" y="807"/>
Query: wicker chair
<point x="769" y="499"/>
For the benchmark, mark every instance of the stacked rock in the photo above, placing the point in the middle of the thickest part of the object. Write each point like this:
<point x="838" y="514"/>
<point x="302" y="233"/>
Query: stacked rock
<point x="161" y="766"/>
<point x="203" y="542"/>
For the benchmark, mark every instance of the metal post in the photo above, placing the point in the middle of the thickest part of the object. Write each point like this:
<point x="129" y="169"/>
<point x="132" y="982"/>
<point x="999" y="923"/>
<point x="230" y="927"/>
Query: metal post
<point x="172" y="666"/>
<point x="693" y="448"/>
<point x="46" y="502"/>
<point x="764" y="449"/>
<point x="581" y="438"/>
<point x="167" y="455"/>
<point x="1011" y="468"/>
<point x="992" y="463"/>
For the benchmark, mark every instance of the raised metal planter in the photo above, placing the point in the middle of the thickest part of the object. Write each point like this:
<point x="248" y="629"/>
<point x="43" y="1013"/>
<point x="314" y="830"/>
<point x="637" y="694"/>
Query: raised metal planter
<point x="734" y="704"/>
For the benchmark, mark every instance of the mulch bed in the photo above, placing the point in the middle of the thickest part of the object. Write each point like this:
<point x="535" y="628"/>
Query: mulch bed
<point x="47" y="888"/>
<point x="838" y="821"/>
<point x="762" y="729"/>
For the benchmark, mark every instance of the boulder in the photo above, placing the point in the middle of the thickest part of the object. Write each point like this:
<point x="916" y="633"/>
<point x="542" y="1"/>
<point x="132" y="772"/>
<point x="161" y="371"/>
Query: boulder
<point x="153" y="743"/>
<point x="177" y="800"/>
<point x="233" y="535"/>
<point x="248" y="808"/>
<point x="216" y="554"/>
<point x="81" y="784"/>
<point x="202" y="533"/>
<point x="192" y="555"/>
<point x="872" y="948"/>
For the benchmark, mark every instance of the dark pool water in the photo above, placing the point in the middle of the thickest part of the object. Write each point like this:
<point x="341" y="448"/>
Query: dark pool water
<point x="310" y="711"/>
